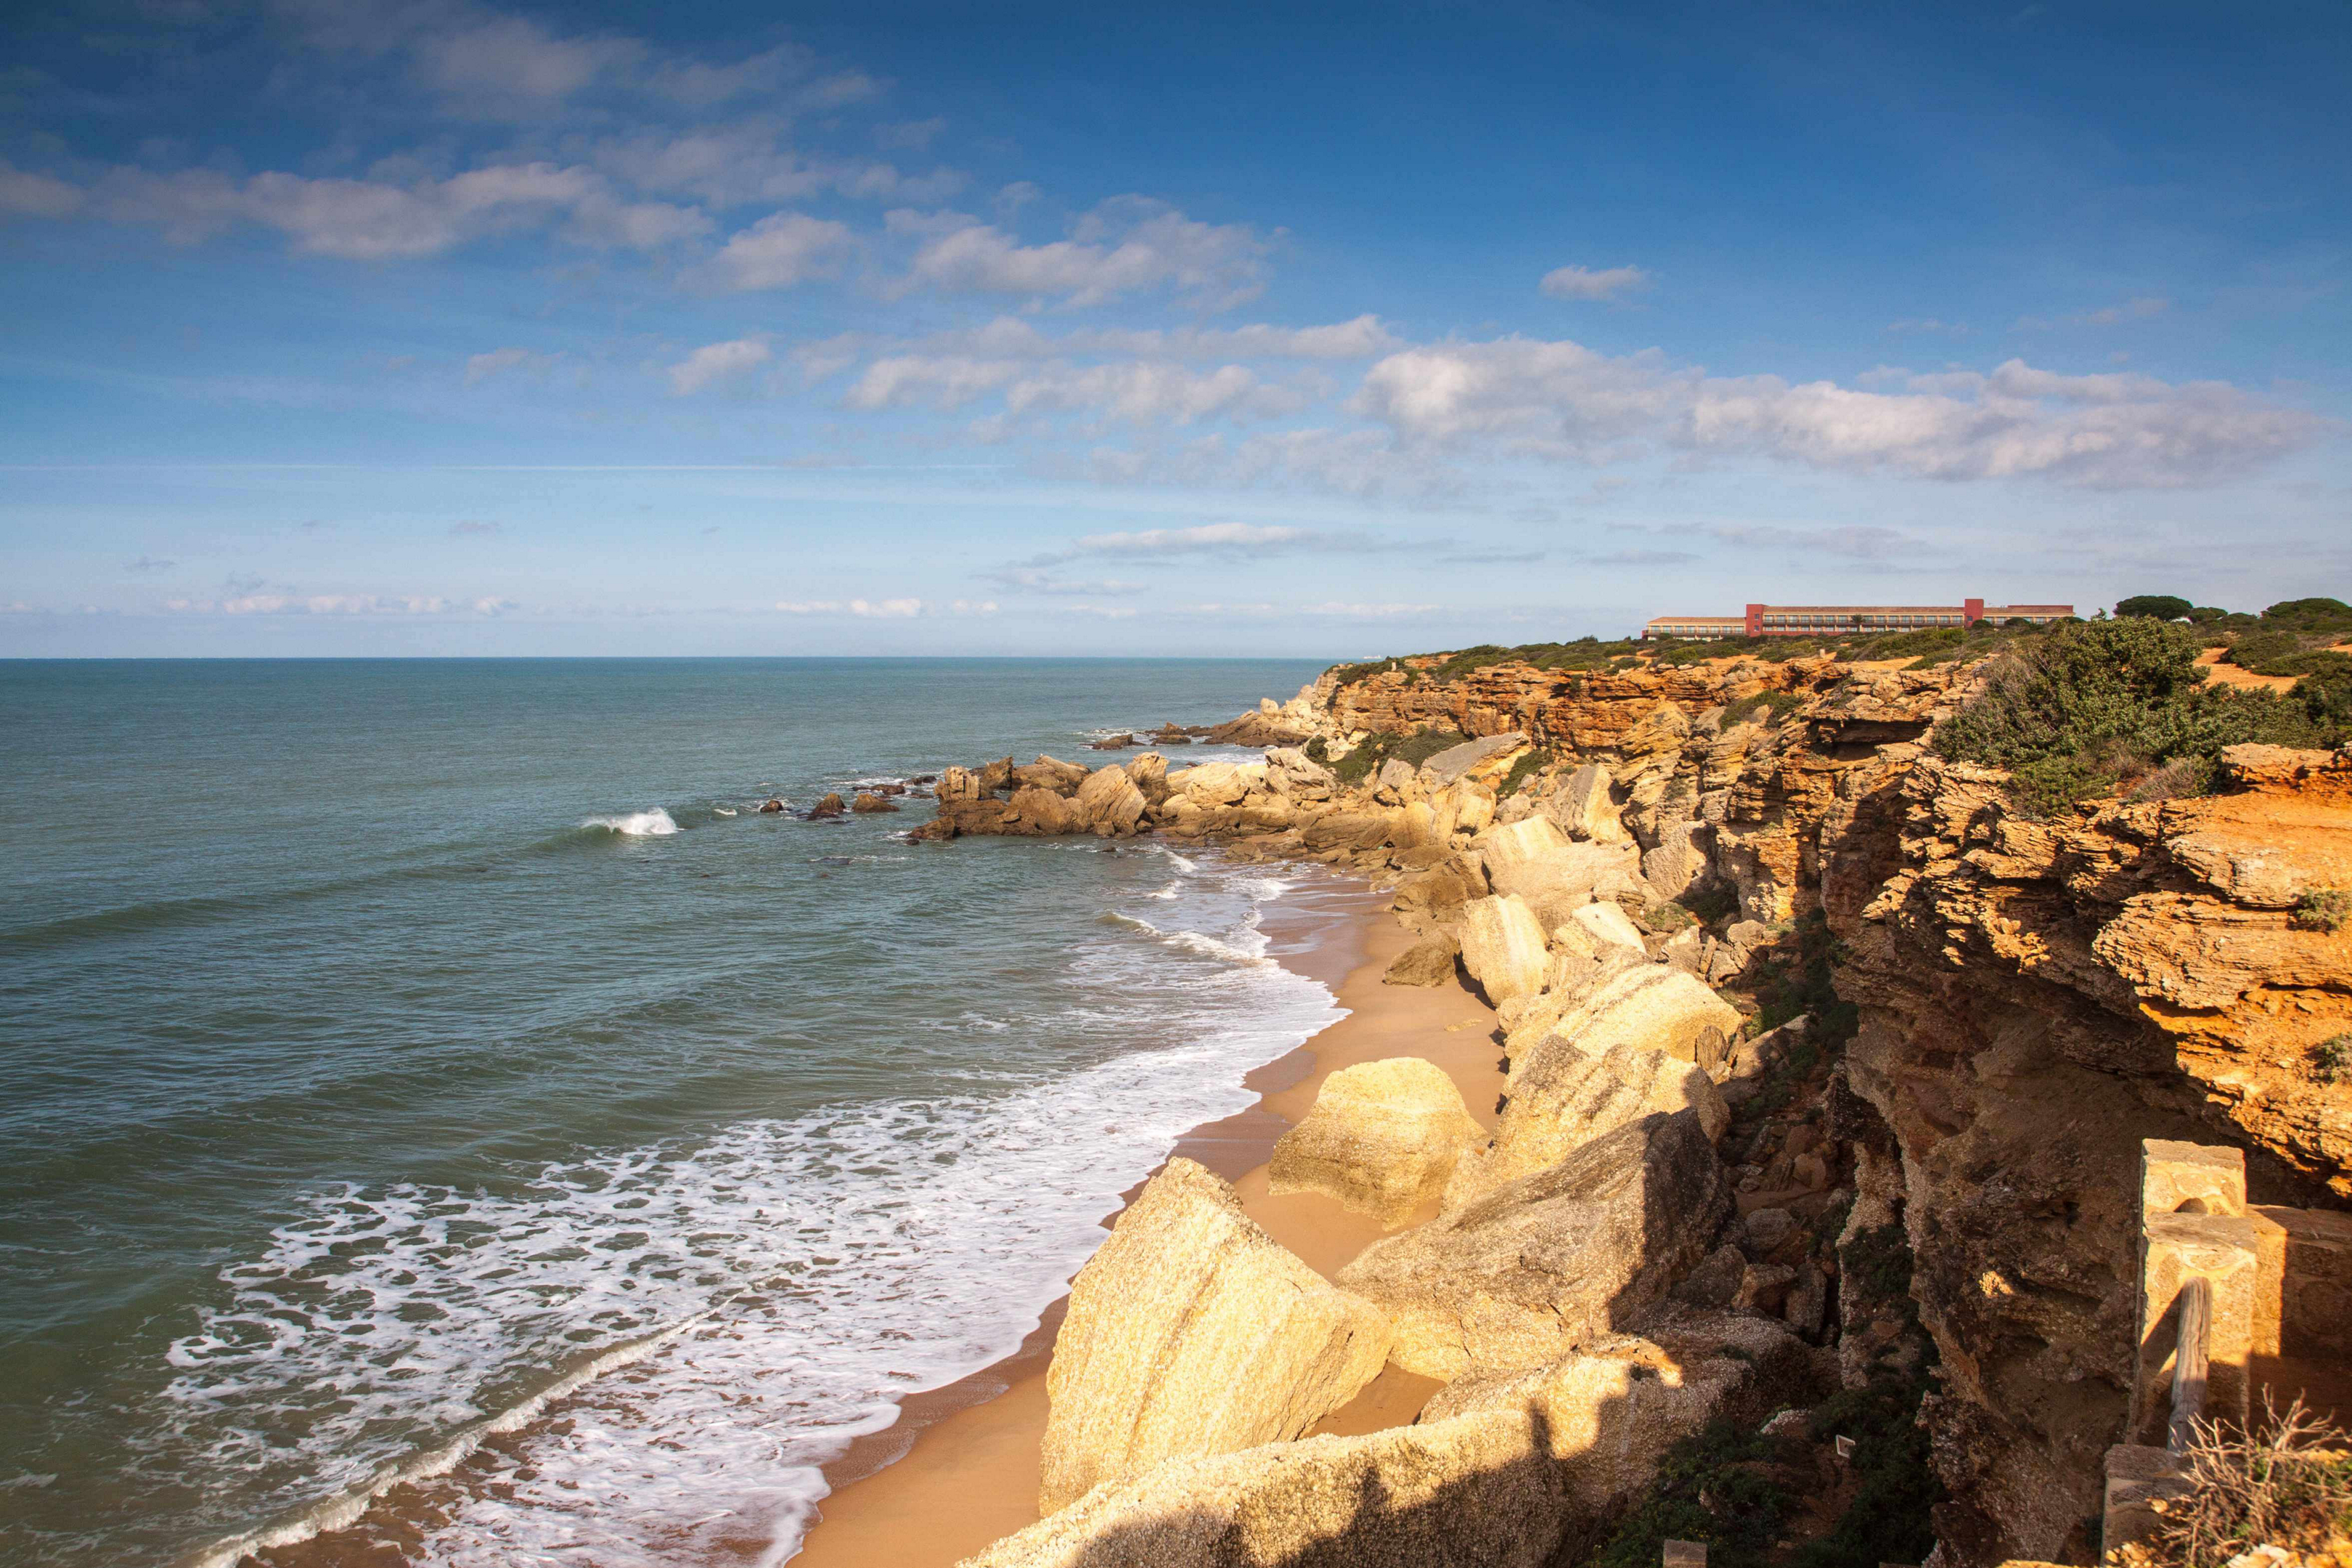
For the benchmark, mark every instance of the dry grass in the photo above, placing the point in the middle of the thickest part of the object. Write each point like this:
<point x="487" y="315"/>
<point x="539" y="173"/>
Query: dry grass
<point x="2289" y="1488"/>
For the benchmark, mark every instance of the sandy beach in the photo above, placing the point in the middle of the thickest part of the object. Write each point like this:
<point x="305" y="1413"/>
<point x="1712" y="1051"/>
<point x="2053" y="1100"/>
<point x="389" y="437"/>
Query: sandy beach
<point x="961" y="1467"/>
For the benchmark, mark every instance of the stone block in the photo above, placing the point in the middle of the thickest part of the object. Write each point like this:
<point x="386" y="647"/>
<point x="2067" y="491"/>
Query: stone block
<point x="2173" y="1174"/>
<point x="2176" y="1247"/>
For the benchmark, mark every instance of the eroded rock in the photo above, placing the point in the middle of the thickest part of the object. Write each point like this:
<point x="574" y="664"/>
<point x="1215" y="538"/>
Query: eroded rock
<point x="1384" y="1138"/>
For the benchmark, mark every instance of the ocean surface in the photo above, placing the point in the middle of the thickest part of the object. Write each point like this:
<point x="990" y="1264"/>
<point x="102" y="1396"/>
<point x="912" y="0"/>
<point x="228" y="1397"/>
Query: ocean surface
<point x="440" y="1072"/>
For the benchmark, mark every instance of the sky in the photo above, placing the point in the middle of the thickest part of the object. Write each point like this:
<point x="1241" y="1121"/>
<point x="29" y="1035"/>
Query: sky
<point x="436" y="327"/>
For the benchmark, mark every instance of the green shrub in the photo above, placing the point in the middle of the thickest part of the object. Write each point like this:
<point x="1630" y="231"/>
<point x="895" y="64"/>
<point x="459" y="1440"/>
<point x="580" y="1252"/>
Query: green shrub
<point x="1807" y="985"/>
<point x="1738" y="1520"/>
<point x="2324" y="909"/>
<point x="1523" y="768"/>
<point x="1378" y="747"/>
<point x="2331" y="1060"/>
<point x="1896" y="1486"/>
<point x="1766" y="707"/>
<point x="2078" y="712"/>
<point x="1711" y="900"/>
<point x="2155" y="606"/>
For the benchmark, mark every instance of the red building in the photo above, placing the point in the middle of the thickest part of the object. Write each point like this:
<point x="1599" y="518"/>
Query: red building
<point x="1848" y="620"/>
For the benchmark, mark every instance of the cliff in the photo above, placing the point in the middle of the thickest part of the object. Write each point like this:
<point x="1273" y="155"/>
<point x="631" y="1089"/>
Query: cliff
<point x="2005" y="1007"/>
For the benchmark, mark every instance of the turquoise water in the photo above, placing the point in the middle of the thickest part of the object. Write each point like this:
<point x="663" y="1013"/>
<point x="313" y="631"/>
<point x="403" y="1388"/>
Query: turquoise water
<point x="412" y="1068"/>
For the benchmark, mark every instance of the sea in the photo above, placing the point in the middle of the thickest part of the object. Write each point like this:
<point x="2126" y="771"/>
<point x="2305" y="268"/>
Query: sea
<point x="443" y="1121"/>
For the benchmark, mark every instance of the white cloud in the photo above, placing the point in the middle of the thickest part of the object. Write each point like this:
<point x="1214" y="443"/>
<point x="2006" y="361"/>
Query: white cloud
<point x="1030" y="580"/>
<point x="780" y="250"/>
<point x="1010" y="337"/>
<point x="1563" y="401"/>
<point x="510" y="67"/>
<point x="730" y="165"/>
<point x="27" y="194"/>
<point x="1125" y="245"/>
<point x="1586" y="283"/>
<point x="287" y="602"/>
<point x="481" y="367"/>
<point x="1205" y="539"/>
<point x="1139" y="391"/>
<point x="715" y="362"/>
<point x="367" y="220"/>
<point x="880" y="609"/>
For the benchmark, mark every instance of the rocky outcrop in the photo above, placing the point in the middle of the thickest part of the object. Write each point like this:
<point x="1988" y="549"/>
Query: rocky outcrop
<point x="1429" y="961"/>
<point x="1190" y="1332"/>
<point x="1478" y="1491"/>
<point x="1503" y="948"/>
<point x="1553" y="1261"/>
<point x="1384" y="1138"/>
<point x="1562" y="1098"/>
<point x="1652" y="1007"/>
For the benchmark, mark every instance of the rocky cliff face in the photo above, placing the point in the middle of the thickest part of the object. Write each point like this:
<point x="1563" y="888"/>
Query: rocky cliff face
<point x="2032" y="998"/>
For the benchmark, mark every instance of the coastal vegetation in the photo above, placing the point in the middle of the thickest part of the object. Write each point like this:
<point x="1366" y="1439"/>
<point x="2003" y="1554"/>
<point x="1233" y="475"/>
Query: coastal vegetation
<point x="2088" y="709"/>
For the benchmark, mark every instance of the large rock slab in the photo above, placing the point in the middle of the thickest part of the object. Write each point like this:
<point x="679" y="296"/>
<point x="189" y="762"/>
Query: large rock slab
<point x="1456" y="761"/>
<point x="1429" y="961"/>
<point x="1384" y="1138"/>
<point x="1108" y="803"/>
<point x="1191" y="1332"/>
<point x="1561" y="1099"/>
<point x="1610" y="1415"/>
<point x="1533" y="859"/>
<point x="1554" y="1262"/>
<point x="1582" y="808"/>
<point x="1503" y="948"/>
<point x="1679" y="861"/>
<point x="1653" y="1008"/>
<point x="1478" y="1492"/>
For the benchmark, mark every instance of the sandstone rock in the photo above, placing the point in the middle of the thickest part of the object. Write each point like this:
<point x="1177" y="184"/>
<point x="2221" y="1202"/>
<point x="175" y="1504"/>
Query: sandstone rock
<point x="1503" y="948"/>
<point x="1582" y="809"/>
<point x="1534" y="859"/>
<point x="1347" y="830"/>
<point x="1035" y="812"/>
<point x="1190" y="1332"/>
<point x="1609" y="1415"/>
<point x="829" y="806"/>
<point x="1051" y="774"/>
<point x="1562" y="1098"/>
<point x="1292" y="773"/>
<point x="1108" y="803"/>
<point x="1397" y="778"/>
<point x="996" y="775"/>
<point x="867" y="802"/>
<point x="1114" y="743"/>
<point x="1717" y="1280"/>
<point x="1655" y="1008"/>
<point x="1679" y="862"/>
<point x="1766" y="1229"/>
<point x="1687" y="950"/>
<point x="958" y="784"/>
<point x="1478" y="1492"/>
<point x="1429" y="961"/>
<point x="1413" y="826"/>
<point x="1384" y="1138"/>
<point x="771" y="806"/>
<point x="1608" y="926"/>
<point x="1456" y="761"/>
<point x="1148" y="772"/>
<point x="1216" y="784"/>
<point x="1550" y="1263"/>
<point x="1466" y="807"/>
<point x="1441" y="890"/>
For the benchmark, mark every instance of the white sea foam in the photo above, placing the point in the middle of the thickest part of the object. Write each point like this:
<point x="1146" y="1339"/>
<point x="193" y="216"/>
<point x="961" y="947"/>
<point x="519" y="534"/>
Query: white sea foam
<point x="652" y="824"/>
<point x="656" y="1348"/>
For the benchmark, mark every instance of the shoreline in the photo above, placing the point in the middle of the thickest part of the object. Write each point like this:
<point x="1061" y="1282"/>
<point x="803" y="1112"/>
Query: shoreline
<point x="961" y="1467"/>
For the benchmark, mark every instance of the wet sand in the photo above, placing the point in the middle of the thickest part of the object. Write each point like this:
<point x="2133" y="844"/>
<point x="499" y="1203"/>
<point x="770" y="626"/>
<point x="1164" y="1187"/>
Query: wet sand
<point x="961" y="1468"/>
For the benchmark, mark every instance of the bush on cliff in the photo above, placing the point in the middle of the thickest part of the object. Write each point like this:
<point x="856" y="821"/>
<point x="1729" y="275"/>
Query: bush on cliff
<point x="2086" y="708"/>
<point x="1411" y="750"/>
<point x="2155" y="606"/>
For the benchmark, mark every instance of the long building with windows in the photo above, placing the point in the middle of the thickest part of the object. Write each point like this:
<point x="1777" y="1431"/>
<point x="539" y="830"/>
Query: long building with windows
<point x="1848" y="620"/>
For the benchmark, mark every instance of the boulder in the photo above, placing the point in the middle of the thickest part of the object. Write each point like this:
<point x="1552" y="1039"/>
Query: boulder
<point x="1609" y="928"/>
<point x="1114" y="743"/>
<point x="829" y="806"/>
<point x="1429" y="961"/>
<point x="1190" y="1332"/>
<point x="867" y="802"/>
<point x="1291" y="772"/>
<point x="1441" y="890"/>
<point x="1052" y="773"/>
<point x="1397" y="777"/>
<point x="1215" y="783"/>
<point x="1552" y="1262"/>
<point x="1582" y="809"/>
<point x="1383" y="1139"/>
<point x="1716" y="1281"/>
<point x="1108" y="803"/>
<point x="1679" y="861"/>
<point x="1534" y="859"/>
<point x="1452" y="763"/>
<point x="1654" y="1007"/>
<point x="958" y="784"/>
<point x="1503" y="948"/>
<point x="1478" y="1492"/>
<point x="996" y="775"/>
<point x="1561" y="1099"/>
<point x="1413" y="826"/>
<point x="1611" y="1414"/>
<point x="771" y="806"/>
<point x="1347" y="830"/>
<point x="1465" y="807"/>
<point x="1148" y="772"/>
<point x="1035" y="812"/>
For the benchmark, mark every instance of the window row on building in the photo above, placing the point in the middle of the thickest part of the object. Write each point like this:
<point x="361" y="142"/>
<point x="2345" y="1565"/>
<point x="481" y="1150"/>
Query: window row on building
<point x="1842" y="620"/>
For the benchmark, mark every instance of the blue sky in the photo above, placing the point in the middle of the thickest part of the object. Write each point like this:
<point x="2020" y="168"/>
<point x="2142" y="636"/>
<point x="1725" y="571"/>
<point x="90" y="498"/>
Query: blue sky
<point x="431" y="327"/>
